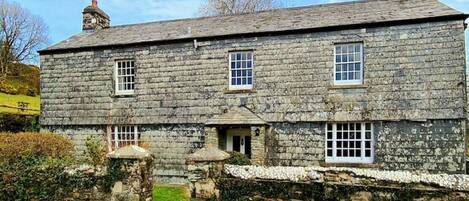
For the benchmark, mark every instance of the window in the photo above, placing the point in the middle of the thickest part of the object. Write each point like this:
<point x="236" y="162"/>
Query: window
<point x="348" y="64"/>
<point x="124" y="136"/>
<point x="241" y="64"/>
<point x="349" y="143"/>
<point x="125" y="77"/>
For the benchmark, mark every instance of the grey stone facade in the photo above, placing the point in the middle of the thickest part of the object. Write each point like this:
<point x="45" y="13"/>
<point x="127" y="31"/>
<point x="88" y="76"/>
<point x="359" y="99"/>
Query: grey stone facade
<point x="413" y="93"/>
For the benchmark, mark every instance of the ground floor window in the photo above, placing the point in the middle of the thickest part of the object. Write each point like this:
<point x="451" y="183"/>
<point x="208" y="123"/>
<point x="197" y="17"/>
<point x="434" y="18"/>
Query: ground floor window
<point x="349" y="143"/>
<point x="122" y="136"/>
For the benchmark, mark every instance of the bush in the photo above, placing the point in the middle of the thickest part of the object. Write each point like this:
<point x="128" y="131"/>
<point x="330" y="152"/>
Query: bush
<point x="238" y="159"/>
<point x="95" y="152"/>
<point x="20" y="145"/>
<point x="33" y="167"/>
<point x="39" y="178"/>
<point x="19" y="123"/>
<point x="8" y="89"/>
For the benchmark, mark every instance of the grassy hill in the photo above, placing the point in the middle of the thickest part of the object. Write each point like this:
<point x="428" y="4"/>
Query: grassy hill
<point x="22" y="85"/>
<point x="9" y="104"/>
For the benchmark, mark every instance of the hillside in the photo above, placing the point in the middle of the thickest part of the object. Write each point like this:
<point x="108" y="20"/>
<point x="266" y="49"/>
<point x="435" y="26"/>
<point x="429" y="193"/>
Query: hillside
<point x="21" y="86"/>
<point x="23" y="80"/>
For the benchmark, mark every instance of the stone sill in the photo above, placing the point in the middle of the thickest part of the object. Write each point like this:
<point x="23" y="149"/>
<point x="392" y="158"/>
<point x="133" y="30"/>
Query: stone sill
<point x="360" y="86"/>
<point x="351" y="165"/>
<point x="123" y="96"/>
<point x="240" y="91"/>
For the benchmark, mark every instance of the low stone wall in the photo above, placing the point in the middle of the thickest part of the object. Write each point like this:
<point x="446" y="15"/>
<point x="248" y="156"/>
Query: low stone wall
<point x="320" y="183"/>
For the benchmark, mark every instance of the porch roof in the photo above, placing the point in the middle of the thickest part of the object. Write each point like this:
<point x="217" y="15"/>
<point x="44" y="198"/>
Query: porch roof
<point x="236" y="116"/>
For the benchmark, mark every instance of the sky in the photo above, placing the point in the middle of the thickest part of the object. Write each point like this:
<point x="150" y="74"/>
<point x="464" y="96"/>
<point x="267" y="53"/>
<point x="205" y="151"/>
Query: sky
<point x="64" y="17"/>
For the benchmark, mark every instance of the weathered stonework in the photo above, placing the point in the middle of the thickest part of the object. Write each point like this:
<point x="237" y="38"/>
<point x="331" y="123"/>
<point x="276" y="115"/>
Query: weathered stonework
<point x="412" y="72"/>
<point x="413" y="92"/>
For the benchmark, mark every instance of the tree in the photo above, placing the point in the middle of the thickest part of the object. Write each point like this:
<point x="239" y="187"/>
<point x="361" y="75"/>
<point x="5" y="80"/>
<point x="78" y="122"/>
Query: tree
<point x="21" y="35"/>
<point x="229" y="7"/>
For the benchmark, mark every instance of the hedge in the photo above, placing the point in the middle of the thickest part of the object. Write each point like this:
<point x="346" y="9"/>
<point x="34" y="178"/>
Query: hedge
<point x="34" y="144"/>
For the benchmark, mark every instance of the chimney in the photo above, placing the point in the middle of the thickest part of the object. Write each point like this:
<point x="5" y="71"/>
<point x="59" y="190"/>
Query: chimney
<point x="94" y="18"/>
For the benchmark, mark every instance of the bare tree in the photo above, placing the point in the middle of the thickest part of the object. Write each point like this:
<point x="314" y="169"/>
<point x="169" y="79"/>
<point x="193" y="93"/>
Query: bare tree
<point x="228" y="7"/>
<point x="21" y="35"/>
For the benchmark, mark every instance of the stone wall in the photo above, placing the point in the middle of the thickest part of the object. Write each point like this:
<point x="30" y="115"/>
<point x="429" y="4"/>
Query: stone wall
<point x="435" y="145"/>
<point x="412" y="72"/>
<point x="296" y="144"/>
<point x="171" y="144"/>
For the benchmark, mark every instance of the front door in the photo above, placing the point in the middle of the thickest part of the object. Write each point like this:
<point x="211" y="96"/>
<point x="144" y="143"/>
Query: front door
<point x="239" y="140"/>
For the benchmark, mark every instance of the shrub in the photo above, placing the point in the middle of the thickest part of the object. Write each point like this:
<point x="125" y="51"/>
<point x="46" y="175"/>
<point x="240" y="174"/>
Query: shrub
<point x="95" y="152"/>
<point x="20" y="145"/>
<point x="39" y="178"/>
<point x="8" y="89"/>
<point x="19" y="123"/>
<point x="238" y="159"/>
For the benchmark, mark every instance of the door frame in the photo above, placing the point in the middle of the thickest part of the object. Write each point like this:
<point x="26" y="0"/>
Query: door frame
<point x="229" y="140"/>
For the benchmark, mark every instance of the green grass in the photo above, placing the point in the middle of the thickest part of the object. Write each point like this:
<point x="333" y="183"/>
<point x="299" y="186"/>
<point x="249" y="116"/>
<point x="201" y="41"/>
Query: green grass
<point x="170" y="193"/>
<point x="12" y="101"/>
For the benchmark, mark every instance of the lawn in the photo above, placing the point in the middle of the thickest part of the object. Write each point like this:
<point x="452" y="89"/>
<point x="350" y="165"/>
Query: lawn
<point x="170" y="193"/>
<point x="9" y="104"/>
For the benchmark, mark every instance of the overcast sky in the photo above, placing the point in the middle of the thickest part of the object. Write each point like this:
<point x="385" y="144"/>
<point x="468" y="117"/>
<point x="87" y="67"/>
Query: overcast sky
<point x="64" y="17"/>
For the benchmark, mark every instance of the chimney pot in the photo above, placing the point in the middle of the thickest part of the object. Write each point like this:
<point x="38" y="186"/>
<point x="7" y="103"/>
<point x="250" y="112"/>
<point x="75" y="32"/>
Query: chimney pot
<point x="94" y="3"/>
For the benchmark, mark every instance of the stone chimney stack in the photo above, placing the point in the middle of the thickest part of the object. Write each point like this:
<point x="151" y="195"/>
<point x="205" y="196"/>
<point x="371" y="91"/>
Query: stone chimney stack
<point x="95" y="18"/>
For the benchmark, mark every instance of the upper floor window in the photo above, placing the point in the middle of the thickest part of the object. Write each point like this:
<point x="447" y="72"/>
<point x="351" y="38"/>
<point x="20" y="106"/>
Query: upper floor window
<point x="349" y="143"/>
<point x="241" y="75"/>
<point x="124" y="136"/>
<point x="125" y="77"/>
<point x="348" y="59"/>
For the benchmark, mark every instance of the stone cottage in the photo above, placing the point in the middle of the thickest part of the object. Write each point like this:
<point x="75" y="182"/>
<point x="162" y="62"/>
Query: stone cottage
<point x="376" y="84"/>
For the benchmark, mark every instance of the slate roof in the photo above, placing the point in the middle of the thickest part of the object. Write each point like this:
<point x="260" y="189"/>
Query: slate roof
<point x="290" y="19"/>
<point x="237" y="116"/>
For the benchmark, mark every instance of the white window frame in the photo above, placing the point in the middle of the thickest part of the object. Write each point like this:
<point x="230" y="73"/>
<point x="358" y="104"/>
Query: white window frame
<point x="362" y="60"/>
<point x="116" y="78"/>
<point x="244" y="86"/>
<point x="113" y="137"/>
<point x="362" y="159"/>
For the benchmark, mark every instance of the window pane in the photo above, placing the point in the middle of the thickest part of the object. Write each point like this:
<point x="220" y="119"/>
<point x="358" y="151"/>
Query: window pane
<point x="338" y="49"/>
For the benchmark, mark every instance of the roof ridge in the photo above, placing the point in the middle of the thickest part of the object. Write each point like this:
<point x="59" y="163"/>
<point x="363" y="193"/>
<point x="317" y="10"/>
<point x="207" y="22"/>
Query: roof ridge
<point x="253" y="13"/>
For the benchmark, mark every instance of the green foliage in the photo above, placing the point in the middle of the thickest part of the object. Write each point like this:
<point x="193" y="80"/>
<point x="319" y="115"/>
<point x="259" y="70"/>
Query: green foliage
<point x="19" y="123"/>
<point x="170" y="193"/>
<point x="95" y="152"/>
<point x="32" y="167"/>
<point x="238" y="159"/>
<point x="115" y="172"/>
<point x="23" y="79"/>
<point x="39" y="178"/>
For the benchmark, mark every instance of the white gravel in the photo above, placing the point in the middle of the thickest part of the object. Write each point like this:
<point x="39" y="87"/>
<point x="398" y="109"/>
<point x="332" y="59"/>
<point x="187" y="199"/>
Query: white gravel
<point x="456" y="182"/>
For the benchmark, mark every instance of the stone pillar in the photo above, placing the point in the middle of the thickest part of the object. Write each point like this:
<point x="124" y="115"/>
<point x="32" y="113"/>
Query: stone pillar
<point x="258" y="151"/>
<point x="211" y="137"/>
<point x="205" y="166"/>
<point x="132" y="167"/>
